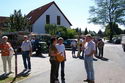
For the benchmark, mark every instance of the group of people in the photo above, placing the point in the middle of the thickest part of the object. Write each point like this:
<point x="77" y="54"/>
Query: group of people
<point x="79" y="45"/>
<point x="88" y="46"/>
<point x="7" y="53"/>
<point x="57" y="46"/>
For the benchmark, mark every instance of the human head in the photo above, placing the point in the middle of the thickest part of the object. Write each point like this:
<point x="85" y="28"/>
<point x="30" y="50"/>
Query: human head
<point x="25" y="37"/>
<point x="88" y="37"/>
<point x="60" y="40"/>
<point x="4" y="38"/>
<point x="53" y="40"/>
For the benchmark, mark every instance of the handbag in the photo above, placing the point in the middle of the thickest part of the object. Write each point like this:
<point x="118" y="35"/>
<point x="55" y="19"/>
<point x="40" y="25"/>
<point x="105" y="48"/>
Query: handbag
<point x="59" y="58"/>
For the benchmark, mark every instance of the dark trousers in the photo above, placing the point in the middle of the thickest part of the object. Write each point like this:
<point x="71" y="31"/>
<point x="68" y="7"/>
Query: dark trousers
<point x="63" y="70"/>
<point x="54" y="71"/>
<point x="101" y="52"/>
<point x="73" y="50"/>
<point x="26" y="59"/>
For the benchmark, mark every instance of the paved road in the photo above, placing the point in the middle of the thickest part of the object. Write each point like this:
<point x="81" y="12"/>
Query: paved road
<point x="109" y="70"/>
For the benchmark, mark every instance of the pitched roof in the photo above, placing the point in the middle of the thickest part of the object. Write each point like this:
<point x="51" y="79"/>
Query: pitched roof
<point x="3" y="19"/>
<point x="36" y="13"/>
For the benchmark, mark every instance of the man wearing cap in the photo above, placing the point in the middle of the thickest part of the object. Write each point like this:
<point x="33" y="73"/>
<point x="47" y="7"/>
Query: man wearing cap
<point x="6" y="49"/>
<point x="61" y="48"/>
<point x="89" y="52"/>
<point x="26" y="48"/>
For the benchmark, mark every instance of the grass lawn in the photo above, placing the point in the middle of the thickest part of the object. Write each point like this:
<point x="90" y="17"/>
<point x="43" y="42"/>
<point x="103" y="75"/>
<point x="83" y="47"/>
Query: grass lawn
<point x="12" y="79"/>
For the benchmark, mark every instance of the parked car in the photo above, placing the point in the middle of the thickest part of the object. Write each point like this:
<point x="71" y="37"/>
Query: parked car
<point x="116" y="40"/>
<point x="41" y="47"/>
<point x="123" y="43"/>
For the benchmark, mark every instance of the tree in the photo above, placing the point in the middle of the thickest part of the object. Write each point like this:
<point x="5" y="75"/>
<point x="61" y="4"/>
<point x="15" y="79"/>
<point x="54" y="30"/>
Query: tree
<point x="18" y="22"/>
<point x="60" y="31"/>
<point x="86" y="31"/>
<point x="116" y="30"/>
<point x="108" y="12"/>
<point x="100" y="33"/>
<point x="51" y="29"/>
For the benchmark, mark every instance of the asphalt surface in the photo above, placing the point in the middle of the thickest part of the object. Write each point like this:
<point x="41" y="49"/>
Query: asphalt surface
<point x="110" y="69"/>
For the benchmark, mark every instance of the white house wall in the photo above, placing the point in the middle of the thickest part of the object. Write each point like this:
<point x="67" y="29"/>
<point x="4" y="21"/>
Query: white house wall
<point x="39" y="25"/>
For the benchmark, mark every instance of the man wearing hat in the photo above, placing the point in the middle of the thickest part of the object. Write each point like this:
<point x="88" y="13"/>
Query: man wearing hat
<point x="89" y="52"/>
<point x="61" y="48"/>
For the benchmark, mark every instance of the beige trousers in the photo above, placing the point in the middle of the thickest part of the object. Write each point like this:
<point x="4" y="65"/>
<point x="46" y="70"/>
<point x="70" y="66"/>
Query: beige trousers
<point x="6" y="59"/>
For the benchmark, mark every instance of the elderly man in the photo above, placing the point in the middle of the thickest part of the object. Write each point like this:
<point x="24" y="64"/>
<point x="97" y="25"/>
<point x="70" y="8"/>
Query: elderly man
<point x="26" y="48"/>
<point x="6" y="50"/>
<point x="89" y="52"/>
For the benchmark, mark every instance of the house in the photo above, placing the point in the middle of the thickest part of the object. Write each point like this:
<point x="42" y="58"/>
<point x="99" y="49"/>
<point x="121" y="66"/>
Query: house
<point x="47" y="14"/>
<point x="3" y="23"/>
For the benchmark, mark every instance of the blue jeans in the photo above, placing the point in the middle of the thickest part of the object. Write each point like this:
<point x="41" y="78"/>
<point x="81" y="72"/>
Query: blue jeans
<point x="26" y="59"/>
<point x="89" y="67"/>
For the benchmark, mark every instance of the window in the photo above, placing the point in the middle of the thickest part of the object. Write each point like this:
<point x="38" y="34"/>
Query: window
<point x="58" y="20"/>
<point x="47" y="19"/>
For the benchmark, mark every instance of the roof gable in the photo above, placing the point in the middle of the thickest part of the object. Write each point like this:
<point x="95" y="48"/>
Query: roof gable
<point x="36" y="13"/>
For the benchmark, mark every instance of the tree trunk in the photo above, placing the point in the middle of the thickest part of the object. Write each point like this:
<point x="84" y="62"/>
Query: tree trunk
<point x="111" y="30"/>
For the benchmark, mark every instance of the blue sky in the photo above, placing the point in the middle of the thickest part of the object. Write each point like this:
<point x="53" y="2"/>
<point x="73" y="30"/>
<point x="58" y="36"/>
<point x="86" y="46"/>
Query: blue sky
<point x="77" y="11"/>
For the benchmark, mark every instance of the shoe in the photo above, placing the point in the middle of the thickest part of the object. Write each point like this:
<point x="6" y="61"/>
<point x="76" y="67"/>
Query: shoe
<point x="5" y="74"/>
<point x="63" y="81"/>
<point x="91" y="81"/>
<point x="87" y="80"/>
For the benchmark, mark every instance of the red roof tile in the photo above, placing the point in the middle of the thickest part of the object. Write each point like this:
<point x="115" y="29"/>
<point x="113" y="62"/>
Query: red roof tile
<point x="3" y="19"/>
<point x="36" y="13"/>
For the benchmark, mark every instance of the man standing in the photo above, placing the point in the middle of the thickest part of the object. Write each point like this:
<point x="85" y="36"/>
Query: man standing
<point x="26" y="53"/>
<point x="74" y="46"/>
<point x="100" y="45"/>
<point x="6" y="51"/>
<point x="61" y="48"/>
<point x="89" y="52"/>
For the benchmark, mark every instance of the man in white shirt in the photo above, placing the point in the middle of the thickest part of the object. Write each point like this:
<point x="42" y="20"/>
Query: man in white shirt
<point x="26" y="48"/>
<point x="61" y="48"/>
<point x="89" y="52"/>
<point x="74" y="46"/>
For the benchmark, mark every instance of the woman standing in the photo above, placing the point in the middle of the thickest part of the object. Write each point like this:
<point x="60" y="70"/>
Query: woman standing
<point x="6" y="52"/>
<point x="54" y="63"/>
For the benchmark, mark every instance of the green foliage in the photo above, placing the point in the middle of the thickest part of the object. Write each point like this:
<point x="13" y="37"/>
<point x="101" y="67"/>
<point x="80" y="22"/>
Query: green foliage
<point x="18" y="22"/>
<point x="107" y="12"/>
<point x="116" y="30"/>
<point x="86" y="31"/>
<point x="100" y="33"/>
<point x="60" y="31"/>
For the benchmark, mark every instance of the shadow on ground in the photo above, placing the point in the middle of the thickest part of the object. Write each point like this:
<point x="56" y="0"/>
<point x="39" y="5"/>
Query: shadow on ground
<point x="102" y="58"/>
<point x="41" y="56"/>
